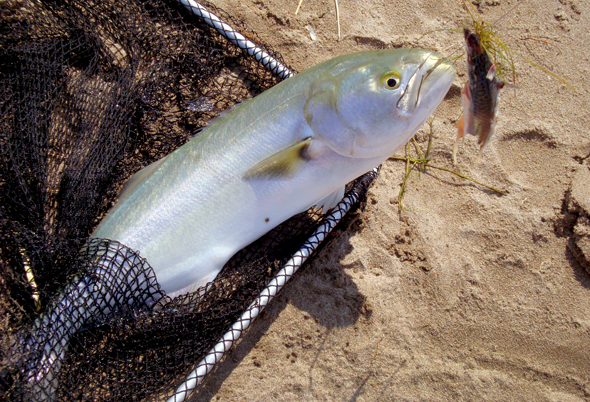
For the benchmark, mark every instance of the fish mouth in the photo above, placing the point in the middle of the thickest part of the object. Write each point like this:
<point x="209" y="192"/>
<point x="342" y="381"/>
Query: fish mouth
<point x="427" y="85"/>
<point x="472" y="43"/>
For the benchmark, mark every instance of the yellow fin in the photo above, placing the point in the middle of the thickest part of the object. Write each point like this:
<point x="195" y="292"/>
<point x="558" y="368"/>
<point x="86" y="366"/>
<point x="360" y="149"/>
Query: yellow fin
<point x="282" y="164"/>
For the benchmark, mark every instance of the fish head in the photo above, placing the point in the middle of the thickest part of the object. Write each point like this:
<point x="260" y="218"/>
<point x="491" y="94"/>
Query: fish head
<point x="472" y="44"/>
<point x="370" y="104"/>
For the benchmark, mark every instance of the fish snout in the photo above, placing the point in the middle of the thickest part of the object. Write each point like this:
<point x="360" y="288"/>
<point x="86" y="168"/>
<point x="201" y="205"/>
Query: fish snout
<point x="425" y="87"/>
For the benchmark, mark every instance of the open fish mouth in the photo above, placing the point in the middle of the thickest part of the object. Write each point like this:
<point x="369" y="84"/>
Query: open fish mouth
<point x="427" y="85"/>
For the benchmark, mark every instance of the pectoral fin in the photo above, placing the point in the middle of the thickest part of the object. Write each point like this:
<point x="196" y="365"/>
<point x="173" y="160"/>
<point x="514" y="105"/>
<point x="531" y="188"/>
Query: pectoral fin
<point x="465" y="120"/>
<point x="465" y="125"/>
<point x="491" y="73"/>
<point x="284" y="163"/>
<point x="507" y="85"/>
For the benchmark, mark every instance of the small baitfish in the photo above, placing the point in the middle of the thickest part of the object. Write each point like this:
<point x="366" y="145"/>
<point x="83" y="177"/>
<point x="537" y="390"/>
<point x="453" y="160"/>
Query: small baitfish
<point x="480" y="97"/>
<point x="292" y="147"/>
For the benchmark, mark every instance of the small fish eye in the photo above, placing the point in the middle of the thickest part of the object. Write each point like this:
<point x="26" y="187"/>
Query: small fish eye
<point x="390" y="80"/>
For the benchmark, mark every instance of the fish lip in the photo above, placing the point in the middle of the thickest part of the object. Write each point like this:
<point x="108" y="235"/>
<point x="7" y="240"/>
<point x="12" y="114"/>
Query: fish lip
<point x="446" y="78"/>
<point x="426" y="79"/>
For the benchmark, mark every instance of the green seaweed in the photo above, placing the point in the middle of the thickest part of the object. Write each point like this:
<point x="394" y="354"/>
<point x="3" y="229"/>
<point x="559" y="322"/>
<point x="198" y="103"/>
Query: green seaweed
<point x="421" y="162"/>
<point x="501" y="55"/>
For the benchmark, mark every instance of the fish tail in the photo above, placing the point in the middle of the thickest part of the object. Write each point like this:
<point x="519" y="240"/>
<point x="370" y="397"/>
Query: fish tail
<point x="484" y="131"/>
<point x="482" y="139"/>
<point x="460" y="133"/>
<point x="112" y="286"/>
<point x="478" y="157"/>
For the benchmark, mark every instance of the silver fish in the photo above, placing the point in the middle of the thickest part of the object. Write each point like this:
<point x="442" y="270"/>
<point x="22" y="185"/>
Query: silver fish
<point x="292" y="147"/>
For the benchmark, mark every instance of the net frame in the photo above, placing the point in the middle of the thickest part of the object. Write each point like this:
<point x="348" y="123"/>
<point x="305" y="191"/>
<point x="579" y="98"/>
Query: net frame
<point x="267" y="60"/>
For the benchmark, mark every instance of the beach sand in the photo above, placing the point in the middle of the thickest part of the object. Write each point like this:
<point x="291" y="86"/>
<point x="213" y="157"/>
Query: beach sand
<point x="466" y="295"/>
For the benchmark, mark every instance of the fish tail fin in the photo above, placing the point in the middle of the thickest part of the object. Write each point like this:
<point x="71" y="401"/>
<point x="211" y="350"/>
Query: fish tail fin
<point x="478" y="157"/>
<point x="118" y="280"/>
<point x="460" y="133"/>
<point x="484" y="133"/>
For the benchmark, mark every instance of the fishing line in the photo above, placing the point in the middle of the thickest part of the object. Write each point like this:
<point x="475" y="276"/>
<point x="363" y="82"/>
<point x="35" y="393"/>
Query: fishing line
<point x="506" y="13"/>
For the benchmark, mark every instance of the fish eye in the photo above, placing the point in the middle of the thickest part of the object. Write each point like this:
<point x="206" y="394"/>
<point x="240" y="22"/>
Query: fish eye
<point x="391" y="80"/>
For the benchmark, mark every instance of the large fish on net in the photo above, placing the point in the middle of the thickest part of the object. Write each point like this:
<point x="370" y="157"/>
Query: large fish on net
<point x="290" y="148"/>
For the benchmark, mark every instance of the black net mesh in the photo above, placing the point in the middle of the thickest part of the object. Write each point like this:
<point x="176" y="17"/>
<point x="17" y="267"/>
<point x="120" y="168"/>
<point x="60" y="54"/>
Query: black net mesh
<point x="91" y="92"/>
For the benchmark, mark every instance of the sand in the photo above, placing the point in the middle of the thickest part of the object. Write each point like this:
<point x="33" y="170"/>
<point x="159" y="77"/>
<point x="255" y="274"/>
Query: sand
<point x="466" y="295"/>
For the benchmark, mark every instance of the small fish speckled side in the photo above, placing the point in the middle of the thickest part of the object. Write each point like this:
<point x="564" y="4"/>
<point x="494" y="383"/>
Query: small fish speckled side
<point x="480" y="97"/>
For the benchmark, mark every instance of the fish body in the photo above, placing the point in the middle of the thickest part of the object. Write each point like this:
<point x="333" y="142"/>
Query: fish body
<point x="480" y="96"/>
<point x="294" y="146"/>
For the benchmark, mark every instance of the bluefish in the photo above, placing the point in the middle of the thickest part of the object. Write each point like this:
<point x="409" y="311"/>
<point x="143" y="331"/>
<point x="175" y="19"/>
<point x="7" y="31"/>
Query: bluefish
<point x="294" y="146"/>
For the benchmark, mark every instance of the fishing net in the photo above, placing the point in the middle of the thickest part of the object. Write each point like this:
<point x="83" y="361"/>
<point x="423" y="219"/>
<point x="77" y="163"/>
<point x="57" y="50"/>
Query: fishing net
<point x="91" y="92"/>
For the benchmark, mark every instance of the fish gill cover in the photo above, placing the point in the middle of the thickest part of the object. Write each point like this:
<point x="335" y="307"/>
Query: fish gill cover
<point x="91" y="92"/>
